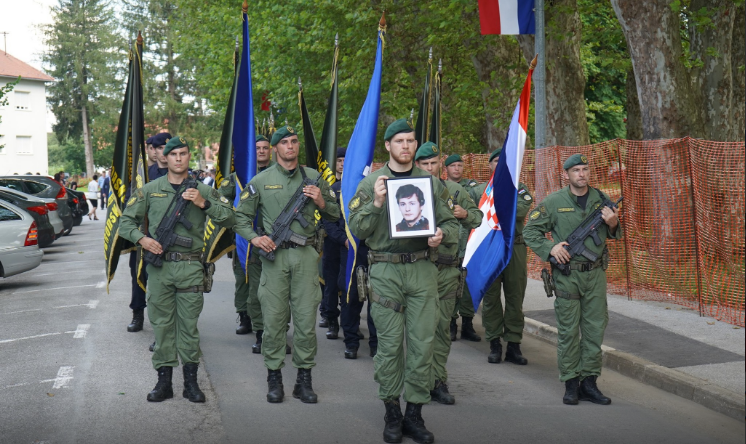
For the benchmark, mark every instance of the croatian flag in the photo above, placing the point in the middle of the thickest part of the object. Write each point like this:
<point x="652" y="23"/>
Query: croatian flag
<point x="490" y="245"/>
<point x="507" y="17"/>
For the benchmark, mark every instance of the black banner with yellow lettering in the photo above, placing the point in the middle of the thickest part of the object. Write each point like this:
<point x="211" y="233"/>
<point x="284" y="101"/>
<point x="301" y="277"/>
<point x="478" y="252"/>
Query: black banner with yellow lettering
<point x="327" y="155"/>
<point x="127" y="169"/>
<point x="420" y="129"/>
<point x="309" y="139"/>
<point x="435" y="136"/>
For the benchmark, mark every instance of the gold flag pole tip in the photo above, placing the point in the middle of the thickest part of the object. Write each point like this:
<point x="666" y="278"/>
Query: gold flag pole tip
<point x="382" y="22"/>
<point x="533" y="63"/>
<point x="245" y="7"/>
<point x="139" y="38"/>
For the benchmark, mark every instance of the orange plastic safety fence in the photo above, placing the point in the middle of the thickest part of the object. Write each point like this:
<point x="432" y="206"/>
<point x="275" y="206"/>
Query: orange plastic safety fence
<point x="683" y="216"/>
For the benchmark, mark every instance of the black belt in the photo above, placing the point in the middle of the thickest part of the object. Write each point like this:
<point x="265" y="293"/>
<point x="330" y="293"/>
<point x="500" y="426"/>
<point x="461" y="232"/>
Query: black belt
<point x="518" y="239"/>
<point x="397" y="258"/>
<point x="450" y="261"/>
<point x="194" y="289"/>
<point x="175" y="256"/>
<point x="585" y="266"/>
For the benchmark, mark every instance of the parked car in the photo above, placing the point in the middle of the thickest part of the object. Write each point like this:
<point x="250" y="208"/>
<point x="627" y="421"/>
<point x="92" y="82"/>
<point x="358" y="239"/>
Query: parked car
<point x="43" y="186"/>
<point x="51" y="202"/>
<point x="78" y="205"/>
<point x="37" y="209"/>
<point x="19" y="247"/>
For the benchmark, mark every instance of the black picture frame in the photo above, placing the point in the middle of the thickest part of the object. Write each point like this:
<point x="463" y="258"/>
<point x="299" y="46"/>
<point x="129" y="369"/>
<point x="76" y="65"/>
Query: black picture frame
<point x="421" y="200"/>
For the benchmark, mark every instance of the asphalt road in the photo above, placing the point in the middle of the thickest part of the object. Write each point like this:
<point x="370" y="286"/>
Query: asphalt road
<point x="71" y="373"/>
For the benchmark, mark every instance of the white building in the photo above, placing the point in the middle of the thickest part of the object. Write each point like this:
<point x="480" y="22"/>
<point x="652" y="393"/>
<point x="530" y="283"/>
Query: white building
<point x="23" y="127"/>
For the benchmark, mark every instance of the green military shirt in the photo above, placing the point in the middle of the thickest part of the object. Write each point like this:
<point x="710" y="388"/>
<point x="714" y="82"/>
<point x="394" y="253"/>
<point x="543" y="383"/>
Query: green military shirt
<point x="523" y="204"/>
<point x="153" y="200"/>
<point x="371" y="223"/>
<point x="227" y="187"/>
<point x="560" y="213"/>
<point x="267" y="194"/>
<point x="471" y="186"/>
<point x="473" y="220"/>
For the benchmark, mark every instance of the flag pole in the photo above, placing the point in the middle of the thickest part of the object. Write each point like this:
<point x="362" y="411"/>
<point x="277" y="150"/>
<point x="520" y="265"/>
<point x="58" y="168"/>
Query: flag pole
<point x="540" y="101"/>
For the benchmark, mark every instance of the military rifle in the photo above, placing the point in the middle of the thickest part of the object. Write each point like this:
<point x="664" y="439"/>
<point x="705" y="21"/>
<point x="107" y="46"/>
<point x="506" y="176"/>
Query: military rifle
<point x="576" y="240"/>
<point x="281" y="231"/>
<point x="166" y="232"/>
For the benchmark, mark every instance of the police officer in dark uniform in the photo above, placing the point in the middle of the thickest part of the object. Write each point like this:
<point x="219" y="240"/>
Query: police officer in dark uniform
<point x="137" y="301"/>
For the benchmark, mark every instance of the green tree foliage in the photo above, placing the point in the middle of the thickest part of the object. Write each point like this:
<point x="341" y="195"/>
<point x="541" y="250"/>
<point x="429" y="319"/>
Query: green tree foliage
<point x="66" y="156"/>
<point x="86" y="59"/>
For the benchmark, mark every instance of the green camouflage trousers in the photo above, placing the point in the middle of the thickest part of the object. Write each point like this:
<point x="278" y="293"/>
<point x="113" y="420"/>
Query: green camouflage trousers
<point x="508" y="324"/>
<point x="448" y="280"/>
<point x="246" y="298"/>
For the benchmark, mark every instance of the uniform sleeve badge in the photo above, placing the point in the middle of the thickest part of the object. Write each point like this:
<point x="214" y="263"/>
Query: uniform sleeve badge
<point x="224" y="200"/>
<point x="527" y="197"/>
<point x="534" y="215"/>
<point x="333" y="194"/>
<point x="132" y="200"/>
<point x="355" y="203"/>
<point x="450" y="203"/>
<point x="473" y="183"/>
<point x="244" y="195"/>
<point x="225" y="183"/>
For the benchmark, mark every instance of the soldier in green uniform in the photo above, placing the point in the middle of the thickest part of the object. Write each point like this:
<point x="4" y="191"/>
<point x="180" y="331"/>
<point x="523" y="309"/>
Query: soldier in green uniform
<point x="290" y="283"/>
<point x="508" y="325"/>
<point x="245" y="298"/>
<point x="580" y="305"/>
<point x="450" y="258"/>
<point x="174" y="292"/>
<point x="404" y="287"/>
<point x="464" y="306"/>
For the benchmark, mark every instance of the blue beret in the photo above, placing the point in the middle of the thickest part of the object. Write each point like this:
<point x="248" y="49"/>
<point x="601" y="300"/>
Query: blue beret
<point x="160" y="139"/>
<point x="341" y="151"/>
<point x="575" y="159"/>
<point x="399" y="126"/>
<point x="149" y="141"/>
<point x="281" y="133"/>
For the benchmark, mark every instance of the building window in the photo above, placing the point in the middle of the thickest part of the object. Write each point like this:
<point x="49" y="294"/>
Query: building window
<point x="22" y="100"/>
<point x="23" y="145"/>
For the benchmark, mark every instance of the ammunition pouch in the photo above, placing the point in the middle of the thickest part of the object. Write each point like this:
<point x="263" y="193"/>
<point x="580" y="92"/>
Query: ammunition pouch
<point x="448" y="261"/>
<point x="320" y="235"/>
<point x="183" y="241"/>
<point x="397" y="258"/>
<point x="363" y="283"/>
<point x="605" y="259"/>
<point x="461" y="282"/>
<point x="209" y="270"/>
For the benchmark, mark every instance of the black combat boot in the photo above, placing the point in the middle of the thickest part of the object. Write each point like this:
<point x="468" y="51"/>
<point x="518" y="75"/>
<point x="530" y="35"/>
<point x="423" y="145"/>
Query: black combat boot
<point x="244" y="324"/>
<point x="303" y="389"/>
<point x="392" y="432"/>
<point x="276" y="391"/>
<point x="373" y="351"/>
<point x="324" y="322"/>
<point x="440" y="393"/>
<point x="350" y="352"/>
<point x="467" y="330"/>
<point x="496" y="352"/>
<point x="413" y="425"/>
<point x="163" y="389"/>
<point x="333" y="332"/>
<point x="257" y="347"/>
<point x="191" y="388"/>
<point x="571" y="392"/>
<point x="138" y="317"/>
<point x="589" y="392"/>
<point x="454" y="329"/>
<point x="360" y="334"/>
<point x="152" y="347"/>
<point x="513" y="354"/>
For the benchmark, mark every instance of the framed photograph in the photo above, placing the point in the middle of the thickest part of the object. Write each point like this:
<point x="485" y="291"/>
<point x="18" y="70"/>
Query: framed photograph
<point x="411" y="207"/>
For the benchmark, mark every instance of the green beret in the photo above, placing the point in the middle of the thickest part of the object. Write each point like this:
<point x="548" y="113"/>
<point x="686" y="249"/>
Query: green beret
<point x="495" y="153"/>
<point x="575" y="159"/>
<point x="399" y="126"/>
<point x="426" y="151"/>
<point x="261" y="138"/>
<point x="282" y="133"/>
<point x="173" y="143"/>
<point x="453" y="158"/>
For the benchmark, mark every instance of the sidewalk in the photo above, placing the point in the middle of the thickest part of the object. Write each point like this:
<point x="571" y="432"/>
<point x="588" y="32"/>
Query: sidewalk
<point x="663" y="345"/>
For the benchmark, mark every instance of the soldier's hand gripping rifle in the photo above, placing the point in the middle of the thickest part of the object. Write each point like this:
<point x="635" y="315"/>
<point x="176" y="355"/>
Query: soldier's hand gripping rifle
<point x="281" y="231"/>
<point x="166" y="234"/>
<point x="576" y="239"/>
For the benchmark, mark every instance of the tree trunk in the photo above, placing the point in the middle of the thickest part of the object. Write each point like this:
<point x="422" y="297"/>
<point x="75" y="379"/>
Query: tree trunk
<point x="87" y="143"/>
<point x="738" y="60"/>
<point x="499" y="96"/>
<point x="667" y="102"/>
<point x="634" y="120"/>
<point x="714" y="80"/>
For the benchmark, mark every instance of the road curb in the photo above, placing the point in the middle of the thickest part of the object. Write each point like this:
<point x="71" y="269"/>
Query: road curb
<point x="673" y="381"/>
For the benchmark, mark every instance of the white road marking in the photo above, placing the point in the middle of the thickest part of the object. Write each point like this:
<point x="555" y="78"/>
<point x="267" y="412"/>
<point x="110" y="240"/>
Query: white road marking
<point x="81" y="331"/>
<point x="55" y="288"/>
<point x="101" y="284"/>
<point x="68" y="262"/>
<point x="22" y="311"/>
<point x="90" y="304"/>
<point x="6" y="341"/>
<point x="63" y="377"/>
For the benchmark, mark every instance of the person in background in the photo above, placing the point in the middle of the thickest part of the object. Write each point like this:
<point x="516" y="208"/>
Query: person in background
<point x="92" y="194"/>
<point x="74" y="182"/>
<point x="104" y="189"/>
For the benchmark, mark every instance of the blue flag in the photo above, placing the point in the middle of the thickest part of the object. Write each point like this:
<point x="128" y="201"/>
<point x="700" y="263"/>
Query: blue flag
<point x="490" y="245"/>
<point x="360" y="149"/>
<point x="244" y="142"/>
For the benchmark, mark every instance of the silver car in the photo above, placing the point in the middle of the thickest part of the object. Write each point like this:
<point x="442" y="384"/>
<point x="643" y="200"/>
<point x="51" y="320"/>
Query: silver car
<point x="19" y="249"/>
